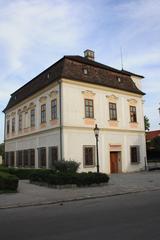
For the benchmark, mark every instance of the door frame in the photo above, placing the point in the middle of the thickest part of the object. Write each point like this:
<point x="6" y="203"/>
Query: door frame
<point x="119" y="161"/>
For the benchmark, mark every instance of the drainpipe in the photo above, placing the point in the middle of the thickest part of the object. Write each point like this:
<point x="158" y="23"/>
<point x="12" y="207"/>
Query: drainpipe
<point x="60" y="119"/>
<point x="4" y="160"/>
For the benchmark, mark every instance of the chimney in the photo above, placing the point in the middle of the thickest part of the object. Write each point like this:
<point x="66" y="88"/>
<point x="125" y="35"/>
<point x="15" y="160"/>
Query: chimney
<point x="89" y="54"/>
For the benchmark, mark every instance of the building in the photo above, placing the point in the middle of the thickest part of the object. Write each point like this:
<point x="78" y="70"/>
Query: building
<point x="52" y="117"/>
<point x="152" y="134"/>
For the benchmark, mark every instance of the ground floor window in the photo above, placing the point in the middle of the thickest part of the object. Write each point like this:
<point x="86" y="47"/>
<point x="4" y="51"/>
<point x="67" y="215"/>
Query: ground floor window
<point x="12" y="159"/>
<point x="89" y="156"/>
<point x="6" y="159"/>
<point x="19" y="158"/>
<point x="32" y="157"/>
<point x="135" y="154"/>
<point x="26" y="158"/>
<point x="53" y="155"/>
<point x="42" y="157"/>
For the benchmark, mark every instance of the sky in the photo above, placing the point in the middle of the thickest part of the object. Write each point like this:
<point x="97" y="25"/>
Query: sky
<point x="36" y="33"/>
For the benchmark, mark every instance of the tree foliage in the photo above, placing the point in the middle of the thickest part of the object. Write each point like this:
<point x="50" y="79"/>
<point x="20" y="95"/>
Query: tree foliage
<point x="146" y="123"/>
<point x="2" y="150"/>
<point x="155" y="143"/>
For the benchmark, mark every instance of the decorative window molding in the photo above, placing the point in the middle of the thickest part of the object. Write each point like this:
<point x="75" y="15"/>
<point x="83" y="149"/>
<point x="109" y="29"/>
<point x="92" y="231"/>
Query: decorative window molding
<point x="112" y="98"/>
<point x="132" y="101"/>
<point x="43" y="99"/>
<point x="32" y="105"/>
<point x="25" y="109"/>
<point x="88" y="94"/>
<point x="19" y="111"/>
<point x="13" y="114"/>
<point x="53" y="94"/>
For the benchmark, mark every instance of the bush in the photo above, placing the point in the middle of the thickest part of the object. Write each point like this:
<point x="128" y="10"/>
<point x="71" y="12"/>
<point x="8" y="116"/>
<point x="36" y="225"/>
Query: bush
<point x="80" y="179"/>
<point x="66" y="166"/>
<point x="25" y="173"/>
<point x="8" y="181"/>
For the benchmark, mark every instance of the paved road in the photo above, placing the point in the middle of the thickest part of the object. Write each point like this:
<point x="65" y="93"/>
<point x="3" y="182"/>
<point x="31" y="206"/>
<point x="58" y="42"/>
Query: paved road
<point x="30" y="194"/>
<point x="127" y="217"/>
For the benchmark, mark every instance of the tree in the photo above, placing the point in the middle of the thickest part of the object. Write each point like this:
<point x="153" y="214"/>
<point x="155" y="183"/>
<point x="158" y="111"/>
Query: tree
<point x="2" y="150"/>
<point x="146" y="123"/>
<point x="155" y="143"/>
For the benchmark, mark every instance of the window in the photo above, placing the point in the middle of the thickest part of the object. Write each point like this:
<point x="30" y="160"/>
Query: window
<point x="20" y="122"/>
<point x="89" y="156"/>
<point x="54" y="109"/>
<point x="42" y="157"/>
<point x="13" y="125"/>
<point x="12" y="159"/>
<point x="6" y="159"/>
<point x="32" y="117"/>
<point x="25" y="158"/>
<point x="53" y="156"/>
<point x="135" y="156"/>
<point x="133" y="116"/>
<point x="19" y="158"/>
<point x="89" y="111"/>
<point x="112" y="111"/>
<point x="32" y="157"/>
<point x="8" y="125"/>
<point x="43" y="113"/>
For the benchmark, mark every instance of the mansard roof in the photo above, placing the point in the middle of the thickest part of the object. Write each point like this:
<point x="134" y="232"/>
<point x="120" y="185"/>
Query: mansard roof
<point x="72" y="67"/>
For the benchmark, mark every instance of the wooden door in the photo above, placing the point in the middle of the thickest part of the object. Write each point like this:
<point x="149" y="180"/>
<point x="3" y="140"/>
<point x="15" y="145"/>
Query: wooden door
<point x="114" y="162"/>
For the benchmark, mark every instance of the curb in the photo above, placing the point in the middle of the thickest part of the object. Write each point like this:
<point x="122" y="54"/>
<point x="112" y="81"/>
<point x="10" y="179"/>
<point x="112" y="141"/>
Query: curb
<point x="74" y="199"/>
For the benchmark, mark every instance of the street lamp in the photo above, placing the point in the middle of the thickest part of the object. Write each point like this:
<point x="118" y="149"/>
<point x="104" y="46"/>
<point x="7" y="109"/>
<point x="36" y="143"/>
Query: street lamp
<point x="96" y="133"/>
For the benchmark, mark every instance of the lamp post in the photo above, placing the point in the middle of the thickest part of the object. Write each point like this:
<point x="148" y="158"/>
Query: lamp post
<point x="96" y="133"/>
<point x="159" y="112"/>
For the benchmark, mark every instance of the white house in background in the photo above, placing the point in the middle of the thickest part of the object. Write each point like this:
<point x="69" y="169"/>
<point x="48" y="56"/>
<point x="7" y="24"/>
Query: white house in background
<point x="52" y="117"/>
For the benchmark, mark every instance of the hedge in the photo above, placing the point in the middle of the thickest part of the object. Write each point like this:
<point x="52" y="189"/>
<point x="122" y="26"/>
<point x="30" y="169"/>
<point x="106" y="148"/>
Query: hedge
<point x="79" y="179"/>
<point x="8" y="182"/>
<point x="25" y="173"/>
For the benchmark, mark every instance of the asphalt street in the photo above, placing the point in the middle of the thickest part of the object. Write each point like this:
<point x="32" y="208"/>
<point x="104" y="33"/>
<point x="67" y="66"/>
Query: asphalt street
<point x="127" y="217"/>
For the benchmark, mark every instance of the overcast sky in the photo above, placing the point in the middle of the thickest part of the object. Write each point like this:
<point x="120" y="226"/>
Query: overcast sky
<point x="36" y="33"/>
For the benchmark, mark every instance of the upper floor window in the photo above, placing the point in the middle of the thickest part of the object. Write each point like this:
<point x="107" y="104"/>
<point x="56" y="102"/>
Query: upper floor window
<point x="133" y="115"/>
<point x="135" y="155"/>
<point x="13" y="125"/>
<point x="8" y="126"/>
<point x="112" y="111"/>
<point x="89" y="156"/>
<point x="32" y="117"/>
<point x="20" y="122"/>
<point x="54" y="109"/>
<point x="43" y="113"/>
<point x="89" y="109"/>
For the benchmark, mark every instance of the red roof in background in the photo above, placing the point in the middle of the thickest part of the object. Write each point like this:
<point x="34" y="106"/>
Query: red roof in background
<point x="152" y="134"/>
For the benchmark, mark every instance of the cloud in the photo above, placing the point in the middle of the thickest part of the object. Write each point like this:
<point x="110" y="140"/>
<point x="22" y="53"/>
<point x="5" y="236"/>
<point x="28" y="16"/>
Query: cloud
<point x="36" y="33"/>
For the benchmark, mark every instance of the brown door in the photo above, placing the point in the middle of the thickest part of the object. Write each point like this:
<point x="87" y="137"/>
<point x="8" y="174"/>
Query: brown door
<point x="114" y="162"/>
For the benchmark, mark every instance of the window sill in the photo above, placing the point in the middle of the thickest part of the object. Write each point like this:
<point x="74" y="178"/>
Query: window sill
<point x="89" y="166"/>
<point x="135" y="163"/>
<point x="89" y="121"/>
<point x="42" y="125"/>
<point x="113" y="123"/>
<point x="133" y="124"/>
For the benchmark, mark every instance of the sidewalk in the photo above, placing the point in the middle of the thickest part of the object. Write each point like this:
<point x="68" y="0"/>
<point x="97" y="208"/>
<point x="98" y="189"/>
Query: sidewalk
<point x="32" y="195"/>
